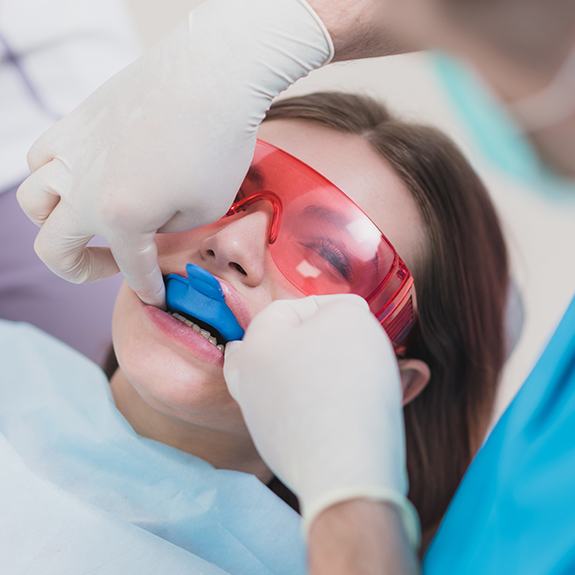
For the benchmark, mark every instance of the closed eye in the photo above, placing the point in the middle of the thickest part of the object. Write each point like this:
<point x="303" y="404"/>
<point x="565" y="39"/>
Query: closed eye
<point x="332" y="254"/>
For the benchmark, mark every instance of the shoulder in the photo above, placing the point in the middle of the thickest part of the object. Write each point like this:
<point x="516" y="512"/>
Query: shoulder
<point x="13" y="334"/>
<point x="16" y="337"/>
<point x="29" y="357"/>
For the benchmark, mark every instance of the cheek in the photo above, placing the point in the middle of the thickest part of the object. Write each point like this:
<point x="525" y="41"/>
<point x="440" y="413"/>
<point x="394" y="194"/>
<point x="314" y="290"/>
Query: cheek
<point x="173" y="243"/>
<point x="279" y="287"/>
<point x="172" y="384"/>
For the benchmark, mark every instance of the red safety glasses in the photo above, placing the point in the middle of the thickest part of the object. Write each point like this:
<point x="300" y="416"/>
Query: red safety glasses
<point x="323" y="243"/>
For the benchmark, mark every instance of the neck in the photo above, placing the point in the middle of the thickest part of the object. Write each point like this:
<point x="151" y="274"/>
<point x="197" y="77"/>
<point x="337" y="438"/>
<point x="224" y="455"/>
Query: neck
<point x="224" y="450"/>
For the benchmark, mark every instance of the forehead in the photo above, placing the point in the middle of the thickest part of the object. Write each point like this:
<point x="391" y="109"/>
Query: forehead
<point x="364" y="175"/>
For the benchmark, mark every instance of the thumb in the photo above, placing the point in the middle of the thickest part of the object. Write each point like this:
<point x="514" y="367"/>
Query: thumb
<point x="294" y="311"/>
<point x="322" y="301"/>
<point x="284" y="313"/>
<point x="302" y="310"/>
<point x="288" y="313"/>
<point x="232" y="367"/>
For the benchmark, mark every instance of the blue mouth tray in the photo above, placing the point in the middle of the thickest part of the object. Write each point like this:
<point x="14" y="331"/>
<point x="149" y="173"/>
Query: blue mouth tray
<point x="200" y="296"/>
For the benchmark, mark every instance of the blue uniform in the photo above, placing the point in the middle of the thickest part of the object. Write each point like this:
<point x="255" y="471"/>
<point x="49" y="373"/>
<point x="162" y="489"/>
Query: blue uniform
<point x="514" y="511"/>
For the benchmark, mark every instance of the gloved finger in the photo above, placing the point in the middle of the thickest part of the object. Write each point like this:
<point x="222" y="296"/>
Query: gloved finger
<point x="232" y="368"/>
<point x="323" y="301"/>
<point x="62" y="246"/>
<point x="288" y="312"/>
<point x="41" y="191"/>
<point x="137" y="257"/>
<point x="294" y="312"/>
<point x="40" y="153"/>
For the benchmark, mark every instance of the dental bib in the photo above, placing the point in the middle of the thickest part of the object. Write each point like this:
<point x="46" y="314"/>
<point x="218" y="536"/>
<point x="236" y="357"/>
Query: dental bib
<point x="200" y="297"/>
<point x="81" y="491"/>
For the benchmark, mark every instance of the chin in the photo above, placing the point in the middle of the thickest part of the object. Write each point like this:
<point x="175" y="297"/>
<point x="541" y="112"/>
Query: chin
<point x="167" y="378"/>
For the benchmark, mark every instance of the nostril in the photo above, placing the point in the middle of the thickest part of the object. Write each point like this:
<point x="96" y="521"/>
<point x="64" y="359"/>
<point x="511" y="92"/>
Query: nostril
<point x="211" y="253"/>
<point x="238" y="268"/>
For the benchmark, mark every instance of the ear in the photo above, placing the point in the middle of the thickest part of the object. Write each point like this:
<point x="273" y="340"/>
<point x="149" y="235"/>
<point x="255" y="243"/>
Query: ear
<point x="415" y="375"/>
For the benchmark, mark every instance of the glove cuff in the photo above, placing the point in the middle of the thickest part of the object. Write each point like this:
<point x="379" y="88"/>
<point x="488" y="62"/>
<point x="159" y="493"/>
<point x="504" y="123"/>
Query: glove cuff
<point x="266" y="45"/>
<point x="322" y="27"/>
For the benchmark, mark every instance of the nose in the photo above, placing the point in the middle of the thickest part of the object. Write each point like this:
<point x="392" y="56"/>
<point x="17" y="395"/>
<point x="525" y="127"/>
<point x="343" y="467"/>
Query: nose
<point x="238" y="249"/>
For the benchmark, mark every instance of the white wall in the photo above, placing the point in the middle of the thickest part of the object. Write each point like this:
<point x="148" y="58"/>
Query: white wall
<point x="541" y="236"/>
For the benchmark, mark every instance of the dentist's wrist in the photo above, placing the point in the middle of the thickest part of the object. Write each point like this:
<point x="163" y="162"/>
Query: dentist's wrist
<point x="359" y="29"/>
<point x="360" y="537"/>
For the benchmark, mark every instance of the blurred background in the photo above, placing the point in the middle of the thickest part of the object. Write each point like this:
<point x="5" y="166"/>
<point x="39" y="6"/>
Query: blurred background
<point x="541" y="236"/>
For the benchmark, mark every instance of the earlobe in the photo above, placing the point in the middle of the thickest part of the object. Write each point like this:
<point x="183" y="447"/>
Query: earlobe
<point x="415" y="375"/>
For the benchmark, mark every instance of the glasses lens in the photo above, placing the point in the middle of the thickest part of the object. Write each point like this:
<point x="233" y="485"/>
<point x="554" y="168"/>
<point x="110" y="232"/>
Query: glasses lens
<point x="326" y="245"/>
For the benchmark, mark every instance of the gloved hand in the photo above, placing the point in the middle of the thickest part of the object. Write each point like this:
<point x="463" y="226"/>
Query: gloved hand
<point x="164" y="145"/>
<point x="318" y="384"/>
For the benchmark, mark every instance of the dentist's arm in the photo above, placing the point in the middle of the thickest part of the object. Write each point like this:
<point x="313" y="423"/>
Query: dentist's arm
<point x="360" y="537"/>
<point x="164" y="145"/>
<point x="363" y="28"/>
<point x="318" y="384"/>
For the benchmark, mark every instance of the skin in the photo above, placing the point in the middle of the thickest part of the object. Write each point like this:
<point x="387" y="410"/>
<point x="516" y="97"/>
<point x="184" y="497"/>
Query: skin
<point x="486" y="36"/>
<point x="170" y="394"/>
<point x="340" y="534"/>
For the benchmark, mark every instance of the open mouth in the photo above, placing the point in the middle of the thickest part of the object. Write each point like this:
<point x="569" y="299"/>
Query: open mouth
<point x="204" y="329"/>
<point x="197" y="300"/>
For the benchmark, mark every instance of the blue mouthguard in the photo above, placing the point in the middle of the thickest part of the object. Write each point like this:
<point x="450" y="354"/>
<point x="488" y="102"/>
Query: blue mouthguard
<point x="200" y="296"/>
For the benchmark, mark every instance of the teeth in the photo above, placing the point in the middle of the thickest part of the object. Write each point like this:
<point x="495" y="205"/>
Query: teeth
<point x="205" y="333"/>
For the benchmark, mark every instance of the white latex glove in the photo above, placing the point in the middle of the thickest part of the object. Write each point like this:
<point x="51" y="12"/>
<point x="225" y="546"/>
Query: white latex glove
<point x="318" y="384"/>
<point x="165" y="144"/>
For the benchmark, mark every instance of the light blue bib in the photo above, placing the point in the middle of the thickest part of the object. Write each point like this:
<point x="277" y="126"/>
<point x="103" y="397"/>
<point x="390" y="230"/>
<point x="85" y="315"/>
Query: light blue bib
<point x="64" y="444"/>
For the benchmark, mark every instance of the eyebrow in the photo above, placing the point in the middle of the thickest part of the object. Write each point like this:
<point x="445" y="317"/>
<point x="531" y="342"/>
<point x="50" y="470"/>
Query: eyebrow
<point x="333" y="217"/>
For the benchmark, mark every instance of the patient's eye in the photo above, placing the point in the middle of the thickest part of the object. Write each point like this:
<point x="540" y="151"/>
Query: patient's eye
<point x="332" y="254"/>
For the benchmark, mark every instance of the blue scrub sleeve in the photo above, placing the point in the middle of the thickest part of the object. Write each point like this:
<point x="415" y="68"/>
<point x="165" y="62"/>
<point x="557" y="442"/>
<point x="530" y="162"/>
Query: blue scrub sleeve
<point x="514" y="510"/>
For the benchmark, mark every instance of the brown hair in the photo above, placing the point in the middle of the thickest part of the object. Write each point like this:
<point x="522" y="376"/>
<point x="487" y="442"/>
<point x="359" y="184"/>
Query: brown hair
<point x="461" y="287"/>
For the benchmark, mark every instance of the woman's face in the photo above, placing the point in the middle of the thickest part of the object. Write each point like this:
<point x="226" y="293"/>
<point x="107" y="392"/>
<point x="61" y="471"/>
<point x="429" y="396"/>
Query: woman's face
<point x="182" y="376"/>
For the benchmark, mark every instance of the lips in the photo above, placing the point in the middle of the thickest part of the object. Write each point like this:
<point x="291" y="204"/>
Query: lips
<point x="236" y="304"/>
<point x="182" y="335"/>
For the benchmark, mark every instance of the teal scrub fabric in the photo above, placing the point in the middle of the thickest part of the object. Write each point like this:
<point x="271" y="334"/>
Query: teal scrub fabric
<point x="514" y="512"/>
<point x="82" y="492"/>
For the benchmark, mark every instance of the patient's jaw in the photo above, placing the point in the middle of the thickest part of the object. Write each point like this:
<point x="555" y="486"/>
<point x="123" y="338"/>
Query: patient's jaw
<point x="166" y="387"/>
